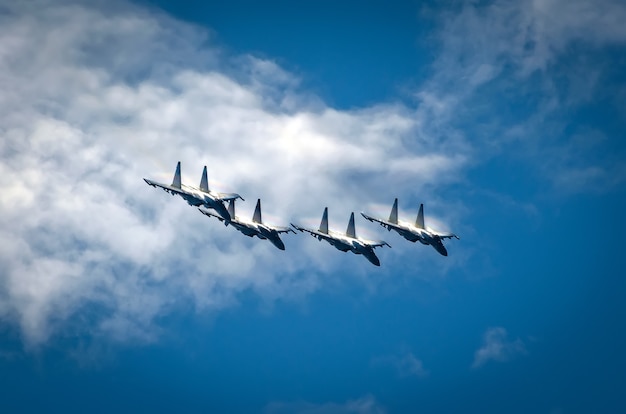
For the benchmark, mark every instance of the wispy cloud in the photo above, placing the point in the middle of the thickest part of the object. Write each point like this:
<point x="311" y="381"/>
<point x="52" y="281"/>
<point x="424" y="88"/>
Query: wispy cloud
<point x="363" y="405"/>
<point x="518" y="76"/>
<point x="497" y="347"/>
<point x="405" y="363"/>
<point x="95" y="98"/>
<point x="482" y="38"/>
<point x="409" y="365"/>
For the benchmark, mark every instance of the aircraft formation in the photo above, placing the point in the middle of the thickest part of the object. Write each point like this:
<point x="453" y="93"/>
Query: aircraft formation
<point x="211" y="204"/>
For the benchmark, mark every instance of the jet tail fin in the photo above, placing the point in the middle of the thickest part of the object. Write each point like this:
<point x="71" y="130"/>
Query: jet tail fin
<point x="350" y="232"/>
<point x="393" y="217"/>
<point x="324" y="224"/>
<point x="231" y="208"/>
<point x="176" y="182"/>
<point x="419" y="222"/>
<point x="257" y="212"/>
<point x="204" y="182"/>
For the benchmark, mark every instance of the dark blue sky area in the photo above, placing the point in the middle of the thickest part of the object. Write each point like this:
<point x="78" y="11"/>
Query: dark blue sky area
<point x="351" y="53"/>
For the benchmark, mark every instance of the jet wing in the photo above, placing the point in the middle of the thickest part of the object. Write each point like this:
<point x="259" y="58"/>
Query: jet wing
<point x="279" y="229"/>
<point x="210" y="213"/>
<point x="378" y="243"/>
<point x="152" y="183"/>
<point x="314" y="233"/>
<point x="370" y="218"/>
<point x="169" y="188"/>
<point x="383" y="223"/>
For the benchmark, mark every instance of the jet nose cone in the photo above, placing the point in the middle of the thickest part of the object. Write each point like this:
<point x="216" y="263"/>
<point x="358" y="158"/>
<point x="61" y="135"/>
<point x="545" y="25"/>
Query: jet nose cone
<point x="278" y="243"/>
<point x="441" y="249"/>
<point x="374" y="260"/>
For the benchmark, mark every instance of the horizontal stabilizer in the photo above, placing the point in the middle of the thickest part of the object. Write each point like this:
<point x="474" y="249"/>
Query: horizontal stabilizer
<point x="229" y="196"/>
<point x="176" y="182"/>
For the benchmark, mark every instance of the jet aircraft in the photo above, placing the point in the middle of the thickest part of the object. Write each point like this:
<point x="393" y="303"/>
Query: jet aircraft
<point x="256" y="227"/>
<point x="413" y="232"/>
<point x="345" y="242"/>
<point x="198" y="196"/>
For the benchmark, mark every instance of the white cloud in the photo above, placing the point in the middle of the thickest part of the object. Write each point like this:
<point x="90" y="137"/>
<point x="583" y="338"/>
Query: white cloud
<point x="484" y="37"/>
<point x="512" y="75"/>
<point x="497" y="347"/>
<point x="598" y="22"/>
<point x="363" y="405"/>
<point x="96" y="97"/>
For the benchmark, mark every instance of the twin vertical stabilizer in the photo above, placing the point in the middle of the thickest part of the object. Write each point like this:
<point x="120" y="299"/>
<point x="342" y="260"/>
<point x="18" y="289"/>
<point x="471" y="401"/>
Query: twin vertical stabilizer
<point x="393" y="217"/>
<point x="231" y="208"/>
<point x="419" y="222"/>
<point x="204" y="182"/>
<point x="176" y="182"/>
<point x="324" y="224"/>
<point x="350" y="232"/>
<point x="257" y="212"/>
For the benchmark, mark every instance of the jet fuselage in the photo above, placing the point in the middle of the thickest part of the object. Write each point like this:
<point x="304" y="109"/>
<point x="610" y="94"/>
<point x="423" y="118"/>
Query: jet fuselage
<point x="194" y="197"/>
<point x="262" y="231"/>
<point x="413" y="233"/>
<point x="254" y="227"/>
<point x="345" y="242"/>
<point x="349" y="244"/>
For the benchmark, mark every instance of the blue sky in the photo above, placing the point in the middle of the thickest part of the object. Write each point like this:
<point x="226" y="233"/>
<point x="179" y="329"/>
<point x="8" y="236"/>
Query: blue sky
<point x="506" y="119"/>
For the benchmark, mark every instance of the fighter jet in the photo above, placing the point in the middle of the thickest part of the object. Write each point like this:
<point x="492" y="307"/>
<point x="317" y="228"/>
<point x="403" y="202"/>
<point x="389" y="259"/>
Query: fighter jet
<point x="256" y="227"/>
<point x="413" y="232"/>
<point x="345" y="242"/>
<point x="198" y="196"/>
